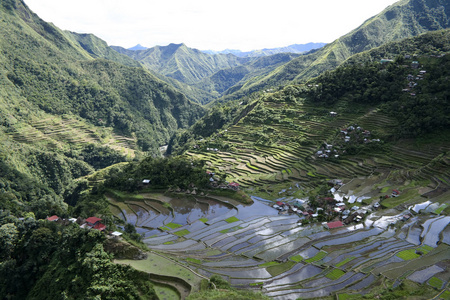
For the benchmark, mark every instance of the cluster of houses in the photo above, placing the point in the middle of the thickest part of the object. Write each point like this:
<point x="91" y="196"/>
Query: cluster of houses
<point x="395" y="193"/>
<point x="412" y="79"/>
<point x="89" y="223"/>
<point x="351" y="134"/>
<point x="222" y="185"/>
<point x="344" y="214"/>
<point x="304" y="211"/>
<point x="412" y="82"/>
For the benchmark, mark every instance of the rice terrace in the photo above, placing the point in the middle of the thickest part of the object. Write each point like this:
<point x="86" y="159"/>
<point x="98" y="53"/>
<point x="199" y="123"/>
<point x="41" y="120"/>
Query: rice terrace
<point x="318" y="227"/>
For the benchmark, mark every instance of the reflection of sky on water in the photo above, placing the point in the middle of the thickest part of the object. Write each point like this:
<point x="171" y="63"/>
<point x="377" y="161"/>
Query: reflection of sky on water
<point x="416" y="208"/>
<point x="256" y="209"/>
<point x="423" y="275"/>
<point x="434" y="230"/>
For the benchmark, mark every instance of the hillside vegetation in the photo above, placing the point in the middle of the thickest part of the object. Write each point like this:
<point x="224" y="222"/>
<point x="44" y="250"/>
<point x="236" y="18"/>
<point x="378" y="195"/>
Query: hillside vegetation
<point x="201" y="76"/>
<point x="273" y="139"/>
<point x="403" y="19"/>
<point x="57" y="101"/>
<point x="80" y="131"/>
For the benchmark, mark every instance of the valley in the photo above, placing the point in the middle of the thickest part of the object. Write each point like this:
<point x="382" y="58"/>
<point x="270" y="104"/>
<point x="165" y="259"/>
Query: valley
<point x="276" y="174"/>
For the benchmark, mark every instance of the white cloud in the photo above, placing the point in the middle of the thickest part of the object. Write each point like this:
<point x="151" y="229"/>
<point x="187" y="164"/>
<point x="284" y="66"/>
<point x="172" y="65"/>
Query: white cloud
<point x="207" y="24"/>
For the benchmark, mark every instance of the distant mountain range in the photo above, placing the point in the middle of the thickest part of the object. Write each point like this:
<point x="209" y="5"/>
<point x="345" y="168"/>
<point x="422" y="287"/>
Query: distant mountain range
<point x="403" y="19"/>
<point x="217" y="75"/>
<point x="296" y="48"/>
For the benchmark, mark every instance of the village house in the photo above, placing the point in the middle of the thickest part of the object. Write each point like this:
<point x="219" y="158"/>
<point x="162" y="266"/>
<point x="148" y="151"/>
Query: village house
<point x="53" y="218"/>
<point x="335" y="224"/>
<point x="94" y="223"/>
<point x="233" y="186"/>
<point x="116" y="235"/>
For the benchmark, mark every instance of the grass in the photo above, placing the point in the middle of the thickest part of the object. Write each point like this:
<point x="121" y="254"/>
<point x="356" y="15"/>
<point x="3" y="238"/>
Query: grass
<point x="346" y="296"/>
<point x="403" y="198"/>
<point x="435" y="282"/>
<point x="278" y="269"/>
<point x="408" y="254"/>
<point x="344" y="261"/>
<point x="194" y="260"/>
<point x="168" y="243"/>
<point x="440" y="209"/>
<point x="230" y="229"/>
<point x="256" y="283"/>
<point x="204" y="220"/>
<point x="296" y="258"/>
<point x="425" y="249"/>
<point x="335" y="274"/>
<point x="173" y="225"/>
<point x="182" y="232"/>
<point x="160" y="265"/>
<point x="252" y="167"/>
<point x="445" y="295"/>
<point x="268" y="264"/>
<point x="231" y="220"/>
<point x="123" y="195"/>
<point x="385" y="190"/>
<point x="316" y="257"/>
<point x="240" y="196"/>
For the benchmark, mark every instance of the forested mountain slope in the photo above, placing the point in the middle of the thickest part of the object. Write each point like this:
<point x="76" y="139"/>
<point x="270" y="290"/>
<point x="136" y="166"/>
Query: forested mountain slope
<point x="201" y="76"/>
<point x="63" y="112"/>
<point x="180" y="62"/>
<point x="403" y="19"/>
<point x="98" y="48"/>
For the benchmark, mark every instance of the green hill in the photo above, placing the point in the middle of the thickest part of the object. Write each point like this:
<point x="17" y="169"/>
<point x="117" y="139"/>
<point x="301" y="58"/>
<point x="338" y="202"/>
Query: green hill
<point x="272" y="139"/>
<point x="98" y="48"/>
<point x="63" y="112"/>
<point x="403" y="19"/>
<point x="203" y="77"/>
<point x="183" y="63"/>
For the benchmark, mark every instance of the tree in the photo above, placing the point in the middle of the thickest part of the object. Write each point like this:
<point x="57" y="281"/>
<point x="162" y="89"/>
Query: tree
<point x="8" y="238"/>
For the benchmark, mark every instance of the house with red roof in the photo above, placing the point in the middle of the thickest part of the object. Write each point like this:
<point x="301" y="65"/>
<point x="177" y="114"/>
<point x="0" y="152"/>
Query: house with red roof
<point x="53" y="218"/>
<point x="99" y="226"/>
<point x="234" y="185"/>
<point x="94" y="222"/>
<point x="335" y="224"/>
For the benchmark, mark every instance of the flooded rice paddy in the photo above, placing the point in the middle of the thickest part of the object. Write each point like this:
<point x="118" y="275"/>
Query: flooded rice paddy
<point x="249" y="245"/>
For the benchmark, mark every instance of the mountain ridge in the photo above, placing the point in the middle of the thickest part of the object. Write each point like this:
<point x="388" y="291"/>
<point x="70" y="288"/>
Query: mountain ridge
<point x="393" y="23"/>
<point x="294" y="48"/>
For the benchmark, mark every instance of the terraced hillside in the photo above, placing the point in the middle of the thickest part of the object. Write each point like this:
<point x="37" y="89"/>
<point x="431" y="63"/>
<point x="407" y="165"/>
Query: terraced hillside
<point x="360" y="209"/>
<point x="55" y="132"/>
<point x="274" y="144"/>
<point x="253" y="247"/>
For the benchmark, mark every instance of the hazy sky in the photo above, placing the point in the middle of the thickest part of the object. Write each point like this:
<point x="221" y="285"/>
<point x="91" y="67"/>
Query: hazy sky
<point x="210" y="24"/>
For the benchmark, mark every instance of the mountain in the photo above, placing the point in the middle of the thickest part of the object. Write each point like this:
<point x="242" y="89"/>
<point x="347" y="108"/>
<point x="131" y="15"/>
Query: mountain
<point x="138" y="47"/>
<point x="64" y="112"/>
<point x="224" y="81"/>
<point x="403" y="19"/>
<point x="97" y="48"/>
<point x="203" y="77"/>
<point x="182" y="63"/>
<point x="295" y="48"/>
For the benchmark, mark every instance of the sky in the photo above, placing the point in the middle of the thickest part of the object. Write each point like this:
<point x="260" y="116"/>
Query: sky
<point x="209" y="24"/>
